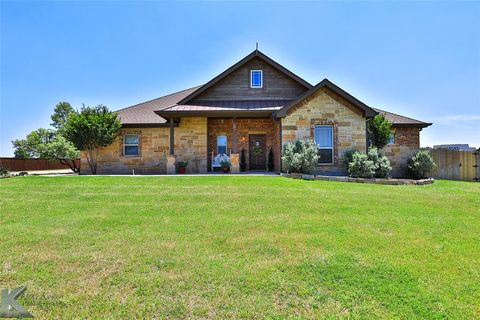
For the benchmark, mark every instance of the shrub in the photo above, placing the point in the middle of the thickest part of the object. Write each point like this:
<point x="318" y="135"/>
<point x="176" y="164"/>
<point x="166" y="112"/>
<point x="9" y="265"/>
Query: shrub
<point x="421" y="164"/>
<point x="347" y="157"/>
<point x="182" y="164"/>
<point x="361" y="166"/>
<point x="382" y="164"/>
<point x="3" y="171"/>
<point x="271" y="160"/>
<point x="372" y="164"/>
<point x="300" y="156"/>
<point x="225" y="164"/>
<point x="243" y="161"/>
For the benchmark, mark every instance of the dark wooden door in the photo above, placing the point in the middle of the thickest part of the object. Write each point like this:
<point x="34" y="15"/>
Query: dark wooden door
<point x="257" y="152"/>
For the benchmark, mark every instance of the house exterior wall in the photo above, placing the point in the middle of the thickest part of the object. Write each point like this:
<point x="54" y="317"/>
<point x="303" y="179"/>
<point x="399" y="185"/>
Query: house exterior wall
<point x="236" y="86"/>
<point x="325" y="107"/>
<point x="245" y="127"/>
<point x="190" y="145"/>
<point x="407" y="142"/>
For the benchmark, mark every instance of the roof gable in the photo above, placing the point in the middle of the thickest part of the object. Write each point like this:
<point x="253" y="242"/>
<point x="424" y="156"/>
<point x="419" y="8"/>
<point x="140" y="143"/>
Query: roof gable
<point x="290" y="84"/>
<point x="325" y="83"/>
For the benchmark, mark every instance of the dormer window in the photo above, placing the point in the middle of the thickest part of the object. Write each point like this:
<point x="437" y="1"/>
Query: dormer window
<point x="256" y="78"/>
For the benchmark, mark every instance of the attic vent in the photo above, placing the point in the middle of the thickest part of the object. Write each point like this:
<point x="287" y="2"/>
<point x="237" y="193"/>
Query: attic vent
<point x="256" y="78"/>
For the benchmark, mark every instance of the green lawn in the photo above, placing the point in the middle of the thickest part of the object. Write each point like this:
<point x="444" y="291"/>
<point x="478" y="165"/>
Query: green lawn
<point x="240" y="247"/>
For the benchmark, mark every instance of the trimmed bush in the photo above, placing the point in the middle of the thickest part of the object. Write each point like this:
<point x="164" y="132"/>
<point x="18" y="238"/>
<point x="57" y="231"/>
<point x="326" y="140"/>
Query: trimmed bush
<point x="421" y="164"/>
<point x="300" y="156"/>
<point x="348" y="156"/>
<point x="361" y="166"/>
<point x="271" y="160"/>
<point x="372" y="164"/>
<point x="382" y="164"/>
<point x="3" y="171"/>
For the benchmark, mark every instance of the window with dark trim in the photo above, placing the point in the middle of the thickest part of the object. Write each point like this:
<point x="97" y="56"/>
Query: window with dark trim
<point x="323" y="136"/>
<point x="391" y="139"/>
<point x="256" y="78"/>
<point x="131" y="145"/>
<point x="222" y="144"/>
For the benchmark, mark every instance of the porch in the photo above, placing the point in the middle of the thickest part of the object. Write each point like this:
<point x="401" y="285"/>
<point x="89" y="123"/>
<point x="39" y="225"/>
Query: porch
<point x="245" y="142"/>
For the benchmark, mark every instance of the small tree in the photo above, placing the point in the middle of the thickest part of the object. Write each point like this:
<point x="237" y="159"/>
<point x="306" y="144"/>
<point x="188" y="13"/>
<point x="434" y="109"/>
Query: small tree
<point x="60" y="114"/>
<point x="62" y="150"/>
<point x="379" y="131"/>
<point x="243" y="161"/>
<point x="271" y="160"/>
<point x="91" y="129"/>
<point x="300" y="156"/>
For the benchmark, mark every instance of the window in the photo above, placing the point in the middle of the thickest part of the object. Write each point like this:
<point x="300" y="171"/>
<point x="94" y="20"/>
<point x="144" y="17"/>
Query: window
<point x="391" y="139"/>
<point x="131" y="145"/>
<point x="256" y="78"/>
<point x="221" y="144"/>
<point x="324" y="139"/>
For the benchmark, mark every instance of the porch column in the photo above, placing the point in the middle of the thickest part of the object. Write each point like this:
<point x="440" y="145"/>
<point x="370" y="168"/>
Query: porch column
<point x="234" y="124"/>
<point x="172" y="137"/>
<point x="171" y="158"/>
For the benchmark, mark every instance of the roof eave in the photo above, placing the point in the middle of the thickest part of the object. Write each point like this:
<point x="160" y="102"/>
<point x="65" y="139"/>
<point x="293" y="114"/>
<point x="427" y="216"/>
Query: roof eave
<point x="411" y="125"/>
<point x="366" y="110"/>
<point x="215" y="113"/>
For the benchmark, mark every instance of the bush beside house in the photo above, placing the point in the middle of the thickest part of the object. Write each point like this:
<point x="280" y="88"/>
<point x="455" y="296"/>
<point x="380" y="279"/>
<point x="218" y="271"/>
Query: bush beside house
<point x="370" y="165"/>
<point x="300" y="156"/>
<point x="421" y="164"/>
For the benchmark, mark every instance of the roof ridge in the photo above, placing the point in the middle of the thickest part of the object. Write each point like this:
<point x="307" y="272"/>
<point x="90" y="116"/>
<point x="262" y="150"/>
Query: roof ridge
<point x="165" y="96"/>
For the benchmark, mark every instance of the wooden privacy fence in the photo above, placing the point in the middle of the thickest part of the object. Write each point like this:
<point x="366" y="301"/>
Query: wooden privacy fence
<point x="456" y="165"/>
<point x="17" y="164"/>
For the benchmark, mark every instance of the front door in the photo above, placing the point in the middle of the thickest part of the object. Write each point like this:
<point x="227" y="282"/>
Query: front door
<point x="257" y="152"/>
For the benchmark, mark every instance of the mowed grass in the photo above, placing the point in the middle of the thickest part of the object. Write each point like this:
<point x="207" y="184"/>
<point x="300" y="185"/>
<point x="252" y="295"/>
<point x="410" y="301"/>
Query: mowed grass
<point x="240" y="247"/>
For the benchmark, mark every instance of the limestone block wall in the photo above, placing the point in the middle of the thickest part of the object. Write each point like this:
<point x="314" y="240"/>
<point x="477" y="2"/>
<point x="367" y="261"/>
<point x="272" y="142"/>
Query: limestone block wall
<point x="190" y="145"/>
<point x="325" y="107"/>
<point x="407" y="142"/>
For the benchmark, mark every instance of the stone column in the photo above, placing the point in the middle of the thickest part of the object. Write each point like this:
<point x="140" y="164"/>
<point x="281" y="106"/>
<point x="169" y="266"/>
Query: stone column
<point x="235" y="161"/>
<point x="171" y="161"/>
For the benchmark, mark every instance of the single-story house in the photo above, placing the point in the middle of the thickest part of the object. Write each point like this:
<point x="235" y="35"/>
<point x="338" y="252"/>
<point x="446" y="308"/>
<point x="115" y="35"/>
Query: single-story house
<point x="256" y="105"/>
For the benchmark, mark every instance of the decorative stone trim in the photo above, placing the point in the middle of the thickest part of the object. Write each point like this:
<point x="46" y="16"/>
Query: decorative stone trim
<point x="359" y="180"/>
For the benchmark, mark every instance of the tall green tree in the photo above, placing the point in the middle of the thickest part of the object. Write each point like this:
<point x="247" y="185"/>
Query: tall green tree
<point x="90" y="129"/>
<point x="379" y="131"/>
<point x="60" y="114"/>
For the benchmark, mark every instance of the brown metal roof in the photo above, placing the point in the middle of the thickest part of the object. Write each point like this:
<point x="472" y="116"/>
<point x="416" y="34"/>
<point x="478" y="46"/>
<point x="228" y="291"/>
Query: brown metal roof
<point x="325" y="83"/>
<point x="402" y="121"/>
<point x="188" y="110"/>
<point x="143" y="113"/>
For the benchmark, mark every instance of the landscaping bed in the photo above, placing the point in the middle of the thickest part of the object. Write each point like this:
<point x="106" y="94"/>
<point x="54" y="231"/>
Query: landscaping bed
<point x="385" y="181"/>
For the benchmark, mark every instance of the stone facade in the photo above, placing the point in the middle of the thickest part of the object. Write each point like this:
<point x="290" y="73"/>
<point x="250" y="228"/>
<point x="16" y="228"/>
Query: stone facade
<point x="325" y="107"/>
<point x="244" y="128"/>
<point x="406" y="143"/>
<point x="190" y="145"/>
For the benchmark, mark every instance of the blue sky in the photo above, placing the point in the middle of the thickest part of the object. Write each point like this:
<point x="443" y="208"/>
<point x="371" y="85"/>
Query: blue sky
<point x="420" y="59"/>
